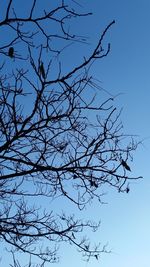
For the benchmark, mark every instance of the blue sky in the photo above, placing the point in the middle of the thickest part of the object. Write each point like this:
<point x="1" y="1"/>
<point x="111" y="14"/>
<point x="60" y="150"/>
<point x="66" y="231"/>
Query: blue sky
<point x="125" y="219"/>
<point x="126" y="70"/>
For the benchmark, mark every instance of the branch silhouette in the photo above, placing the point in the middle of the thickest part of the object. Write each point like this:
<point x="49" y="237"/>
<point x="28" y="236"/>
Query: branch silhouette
<point x="55" y="142"/>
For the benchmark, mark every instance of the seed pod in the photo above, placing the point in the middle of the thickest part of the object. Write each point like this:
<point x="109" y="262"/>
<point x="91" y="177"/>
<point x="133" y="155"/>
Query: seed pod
<point x="125" y="165"/>
<point x="42" y="70"/>
<point x="11" y="52"/>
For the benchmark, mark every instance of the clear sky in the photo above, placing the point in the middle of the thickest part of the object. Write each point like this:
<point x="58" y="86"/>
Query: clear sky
<point x="125" y="219"/>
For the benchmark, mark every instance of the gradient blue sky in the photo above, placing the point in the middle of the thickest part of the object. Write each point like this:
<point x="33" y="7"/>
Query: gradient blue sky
<point x="125" y="219"/>
<point x="126" y="70"/>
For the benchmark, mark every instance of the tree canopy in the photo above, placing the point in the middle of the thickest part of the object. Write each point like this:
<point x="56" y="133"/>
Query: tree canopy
<point x="56" y="140"/>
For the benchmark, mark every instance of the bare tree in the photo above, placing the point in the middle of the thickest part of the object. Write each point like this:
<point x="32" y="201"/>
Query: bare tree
<point x="54" y="140"/>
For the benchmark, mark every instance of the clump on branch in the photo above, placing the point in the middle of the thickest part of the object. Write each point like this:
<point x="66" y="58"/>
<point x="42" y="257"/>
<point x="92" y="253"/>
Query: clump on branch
<point x="11" y="52"/>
